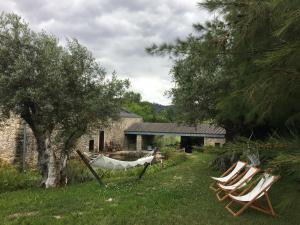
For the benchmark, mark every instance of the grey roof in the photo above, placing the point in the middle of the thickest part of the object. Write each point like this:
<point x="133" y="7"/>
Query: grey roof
<point x="126" y="114"/>
<point x="173" y="128"/>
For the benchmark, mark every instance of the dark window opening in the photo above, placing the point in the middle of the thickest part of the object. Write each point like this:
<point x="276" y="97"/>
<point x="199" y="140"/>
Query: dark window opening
<point x="91" y="145"/>
<point x="101" y="140"/>
<point x="217" y="144"/>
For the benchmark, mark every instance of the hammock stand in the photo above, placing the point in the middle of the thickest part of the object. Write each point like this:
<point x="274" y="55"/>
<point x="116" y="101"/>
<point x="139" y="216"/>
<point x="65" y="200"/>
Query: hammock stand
<point x="98" y="178"/>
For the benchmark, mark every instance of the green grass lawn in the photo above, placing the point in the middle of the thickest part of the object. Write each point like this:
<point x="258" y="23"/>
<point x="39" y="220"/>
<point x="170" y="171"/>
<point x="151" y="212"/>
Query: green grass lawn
<point x="176" y="195"/>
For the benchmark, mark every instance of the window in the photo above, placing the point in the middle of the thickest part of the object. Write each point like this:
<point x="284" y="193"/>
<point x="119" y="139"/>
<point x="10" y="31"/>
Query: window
<point x="217" y="144"/>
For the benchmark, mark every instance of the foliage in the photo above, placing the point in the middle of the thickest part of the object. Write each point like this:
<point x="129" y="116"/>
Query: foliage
<point x="279" y="155"/>
<point x="11" y="178"/>
<point x="77" y="172"/>
<point x="177" y="195"/>
<point x="241" y="68"/>
<point x="166" y="141"/>
<point x="150" y="112"/>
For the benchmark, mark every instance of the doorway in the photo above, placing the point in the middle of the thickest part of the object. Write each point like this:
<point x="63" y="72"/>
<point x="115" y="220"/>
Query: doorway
<point x="101" y="140"/>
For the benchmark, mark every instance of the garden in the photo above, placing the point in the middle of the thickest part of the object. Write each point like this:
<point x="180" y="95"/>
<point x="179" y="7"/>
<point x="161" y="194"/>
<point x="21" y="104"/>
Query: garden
<point x="176" y="192"/>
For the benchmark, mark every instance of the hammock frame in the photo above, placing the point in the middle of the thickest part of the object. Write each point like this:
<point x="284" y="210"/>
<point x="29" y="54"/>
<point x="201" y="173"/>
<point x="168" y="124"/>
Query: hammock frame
<point x="98" y="178"/>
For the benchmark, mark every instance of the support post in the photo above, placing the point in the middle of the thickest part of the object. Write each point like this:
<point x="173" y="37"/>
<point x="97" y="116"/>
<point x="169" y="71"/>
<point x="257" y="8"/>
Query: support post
<point x="139" y="142"/>
<point x="86" y="162"/>
<point x="147" y="165"/>
<point x="144" y="170"/>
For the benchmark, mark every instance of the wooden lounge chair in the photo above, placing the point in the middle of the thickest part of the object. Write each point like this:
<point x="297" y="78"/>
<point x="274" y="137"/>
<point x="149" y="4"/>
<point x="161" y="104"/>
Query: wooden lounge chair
<point x="237" y="183"/>
<point x="228" y="176"/>
<point x="250" y="199"/>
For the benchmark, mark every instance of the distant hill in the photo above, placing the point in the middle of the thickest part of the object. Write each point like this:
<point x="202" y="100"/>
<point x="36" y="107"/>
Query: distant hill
<point x="158" y="107"/>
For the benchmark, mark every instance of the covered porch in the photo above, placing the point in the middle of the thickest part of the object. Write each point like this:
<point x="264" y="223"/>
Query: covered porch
<point x="140" y="136"/>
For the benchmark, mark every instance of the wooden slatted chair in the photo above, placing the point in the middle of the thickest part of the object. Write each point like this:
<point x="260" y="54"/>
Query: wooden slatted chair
<point x="236" y="184"/>
<point x="250" y="199"/>
<point x="228" y="176"/>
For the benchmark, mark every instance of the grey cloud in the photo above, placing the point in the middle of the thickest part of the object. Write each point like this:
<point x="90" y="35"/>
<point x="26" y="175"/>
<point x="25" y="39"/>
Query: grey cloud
<point x="117" y="32"/>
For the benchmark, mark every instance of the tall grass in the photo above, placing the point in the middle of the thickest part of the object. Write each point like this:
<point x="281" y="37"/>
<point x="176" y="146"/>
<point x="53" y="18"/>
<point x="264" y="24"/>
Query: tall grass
<point x="11" y="178"/>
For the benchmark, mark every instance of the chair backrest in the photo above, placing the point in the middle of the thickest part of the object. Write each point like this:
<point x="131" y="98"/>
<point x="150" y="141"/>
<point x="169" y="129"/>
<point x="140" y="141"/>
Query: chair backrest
<point x="263" y="185"/>
<point x="250" y="173"/>
<point x="238" y="167"/>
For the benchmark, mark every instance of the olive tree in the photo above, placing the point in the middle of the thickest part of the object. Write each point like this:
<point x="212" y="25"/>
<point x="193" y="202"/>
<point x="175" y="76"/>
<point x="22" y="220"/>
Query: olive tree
<point x="61" y="92"/>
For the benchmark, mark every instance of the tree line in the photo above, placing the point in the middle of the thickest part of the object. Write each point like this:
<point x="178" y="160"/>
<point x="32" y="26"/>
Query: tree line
<point x="241" y="69"/>
<point x="150" y="112"/>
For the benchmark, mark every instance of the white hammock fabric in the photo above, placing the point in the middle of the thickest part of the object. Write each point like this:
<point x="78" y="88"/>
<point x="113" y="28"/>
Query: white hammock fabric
<point x="108" y="163"/>
<point x="257" y="191"/>
<point x="240" y="165"/>
<point x="242" y="182"/>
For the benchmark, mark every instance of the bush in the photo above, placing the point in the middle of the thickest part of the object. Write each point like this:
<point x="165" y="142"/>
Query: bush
<point x="198" y="149"/>
<point x="77" y="172"/>
<point x="168" y="152"/>
<point x="166" y="141"/>
<point x="282" y="156"/>
<point x="12" y="179"/>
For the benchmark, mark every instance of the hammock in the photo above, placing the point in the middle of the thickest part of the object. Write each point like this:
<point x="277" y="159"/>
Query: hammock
<point x="102" y="161"/>
<point x="108" y="163"/>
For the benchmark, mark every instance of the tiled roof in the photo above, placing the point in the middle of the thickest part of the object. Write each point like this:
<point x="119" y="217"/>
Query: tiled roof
<point x="127" y="114"/>
<point x="173" y="128"/>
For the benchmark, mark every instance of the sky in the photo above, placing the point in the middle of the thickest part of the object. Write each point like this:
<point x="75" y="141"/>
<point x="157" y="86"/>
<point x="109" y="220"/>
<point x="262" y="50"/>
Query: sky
<point x="117" y="33"/>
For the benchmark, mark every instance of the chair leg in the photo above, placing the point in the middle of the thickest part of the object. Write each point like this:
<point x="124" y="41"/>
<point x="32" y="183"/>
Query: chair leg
<point x="229" y="209"/>
<point x="253" y="204"/>
<point x="220" y="197"/>
<point x="241" y="210"/>
<point x="212" y="187"/>
<point x="270" y="204"/>
<point x="268" y="210"/>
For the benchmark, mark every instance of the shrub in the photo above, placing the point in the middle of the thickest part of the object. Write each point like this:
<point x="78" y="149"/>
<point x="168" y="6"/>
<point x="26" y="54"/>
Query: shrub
<point x="280" y="155"/>
<point x="77" y="172"/>
<point x="12" y="179"/>
<point x="167" y="152"/>
<point x="198" y="149"/>
<point x="166" y="141"/>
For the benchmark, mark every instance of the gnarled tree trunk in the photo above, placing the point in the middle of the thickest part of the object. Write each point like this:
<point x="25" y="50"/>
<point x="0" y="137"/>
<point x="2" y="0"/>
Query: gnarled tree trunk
<point x="52" y="163"/>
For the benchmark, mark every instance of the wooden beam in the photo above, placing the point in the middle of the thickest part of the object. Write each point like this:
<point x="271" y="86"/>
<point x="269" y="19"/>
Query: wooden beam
<point x="144" y="170"/>
<point x="147" y="165"/>
<point x="86" y="162"/>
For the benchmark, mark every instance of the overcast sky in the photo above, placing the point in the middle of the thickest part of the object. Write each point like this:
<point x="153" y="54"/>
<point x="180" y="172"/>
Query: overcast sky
<point x="117" y="32"/>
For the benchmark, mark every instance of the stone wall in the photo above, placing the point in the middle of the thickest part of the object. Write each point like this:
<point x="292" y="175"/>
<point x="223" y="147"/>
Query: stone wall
<point x="214" y="141"/>
<point x="8" y="135"/>
<point x="115" y="133"/>
<point x="11" y="142"/>
<point x="12" y="135"/>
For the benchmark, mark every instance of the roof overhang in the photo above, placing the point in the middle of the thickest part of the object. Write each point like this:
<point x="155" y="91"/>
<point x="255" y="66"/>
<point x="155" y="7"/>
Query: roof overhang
<point x="176" y="134"/>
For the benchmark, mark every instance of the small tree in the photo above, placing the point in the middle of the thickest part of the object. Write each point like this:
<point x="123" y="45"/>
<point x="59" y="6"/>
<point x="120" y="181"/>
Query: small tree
<point x="61" y="92"/>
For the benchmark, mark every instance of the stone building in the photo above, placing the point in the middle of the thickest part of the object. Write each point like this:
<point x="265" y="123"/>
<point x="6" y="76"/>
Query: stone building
<point x="111" y="137"/>
<point x="127" y="133"/>
<point x="14" y="131"/>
